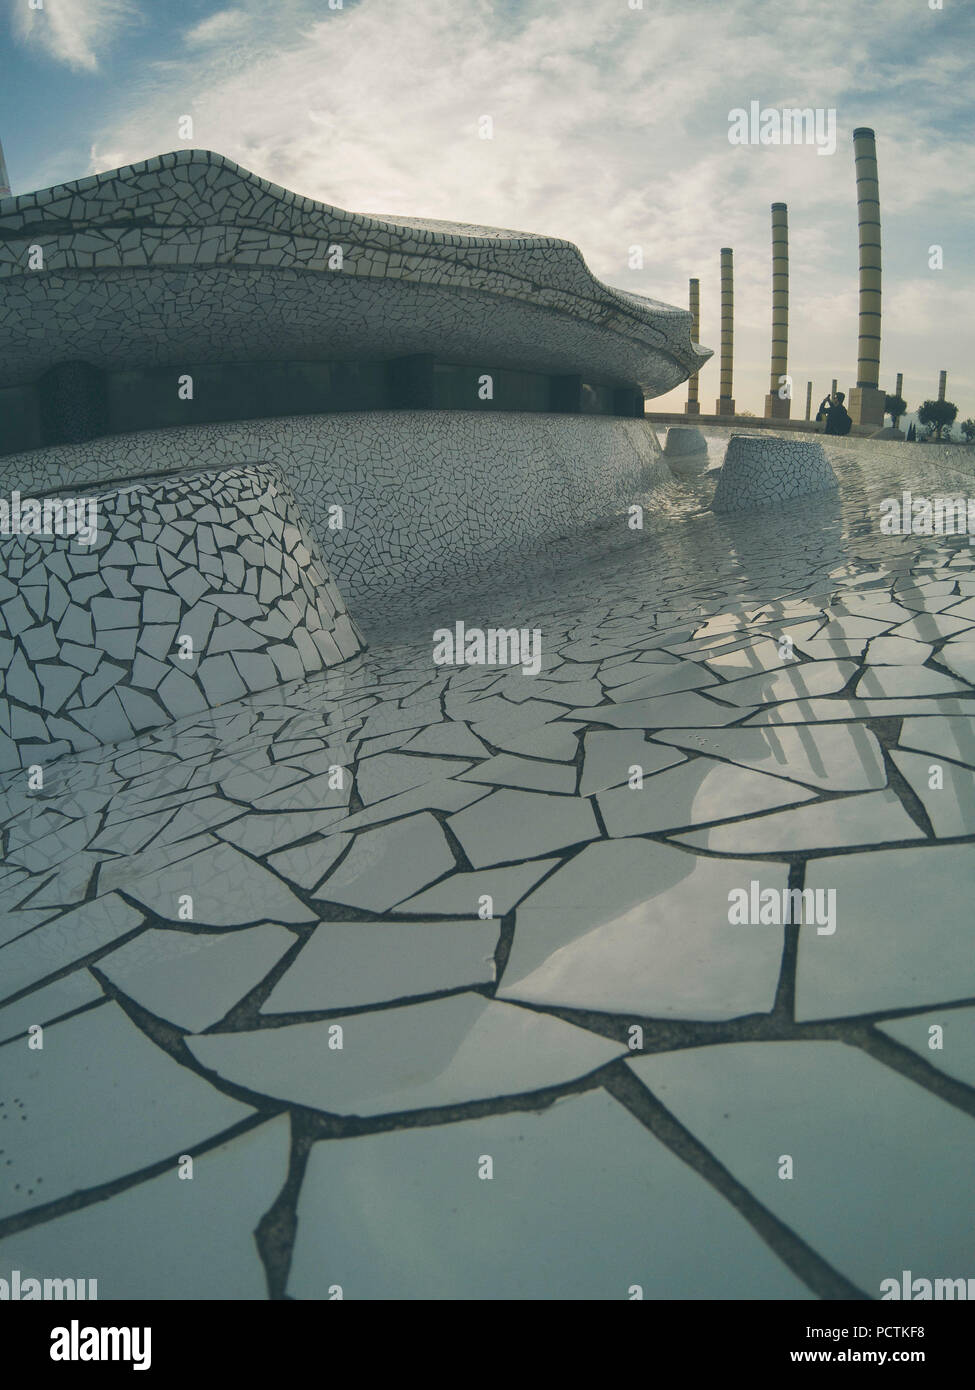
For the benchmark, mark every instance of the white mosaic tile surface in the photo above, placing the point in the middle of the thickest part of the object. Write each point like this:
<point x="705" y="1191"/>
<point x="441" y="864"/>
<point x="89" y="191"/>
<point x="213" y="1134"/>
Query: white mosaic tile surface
<point x="158" y="1109"/>
<point x="843" y="1118"/>
<point x="192" y="978"/>
<point x="903" y="940"/>
<point x="641" y="1217"/>
<point x="351" y="964"/>
<point x="944" y="1039"/>
<point x="501" y="920"/>
<point x="402" y="479"/>
<point x="193" y="557"/>
<point x="226" y="1198"/>
<point x="424" y="1055"/>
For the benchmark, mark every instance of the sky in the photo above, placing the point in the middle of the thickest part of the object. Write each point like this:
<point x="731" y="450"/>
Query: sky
<point x="609" y="127"/>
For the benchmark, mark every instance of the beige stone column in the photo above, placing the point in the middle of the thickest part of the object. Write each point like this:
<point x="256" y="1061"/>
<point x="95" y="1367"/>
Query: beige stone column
<point x="866" y="403"/>
<point x="725" y="403"/>
<point x="775" y="407"/>
<point x="693" y="406"/>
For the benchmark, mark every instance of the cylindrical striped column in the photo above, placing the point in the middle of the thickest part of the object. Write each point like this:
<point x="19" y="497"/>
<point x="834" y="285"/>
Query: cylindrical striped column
<point x="942" y="385"/>
<point x="900" y="385"/>
<point x="868" y="223"/>
<point x="808" y="400"/>
<point x="726" y="404"/>
<point x="694" y="303"/>
<point x="777" y="406"/>
<point x="780" y="295"/>
<point x="4" y="177"/>
<point x="832" y="386"/>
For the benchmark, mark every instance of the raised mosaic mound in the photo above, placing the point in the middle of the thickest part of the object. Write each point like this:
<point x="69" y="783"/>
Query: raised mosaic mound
<point x="684" y="439"/>
<point x="187" y="258"/>
<point x="686" y="450"/>
<point x="173" y="596"/>
<point x="759" y="471"/>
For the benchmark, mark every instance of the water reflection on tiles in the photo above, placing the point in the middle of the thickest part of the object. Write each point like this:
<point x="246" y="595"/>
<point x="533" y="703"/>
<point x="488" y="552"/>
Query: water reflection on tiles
<point x="463" y="897"/>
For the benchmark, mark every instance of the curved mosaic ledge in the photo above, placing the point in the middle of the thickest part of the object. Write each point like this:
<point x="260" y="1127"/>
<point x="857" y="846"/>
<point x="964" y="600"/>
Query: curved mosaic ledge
<point x="90" y="637"/>
<point x="760" y="471"/>
<point x="187" y="256"/>
<point x="425" y="495"/>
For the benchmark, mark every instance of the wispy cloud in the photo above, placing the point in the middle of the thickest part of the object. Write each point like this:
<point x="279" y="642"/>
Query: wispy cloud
<point x="74" y="32"/>
<point x="217" y="28"/>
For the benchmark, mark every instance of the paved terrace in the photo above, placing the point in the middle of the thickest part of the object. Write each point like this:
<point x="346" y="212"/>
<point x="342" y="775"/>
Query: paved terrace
<point x="563" y="1072"/>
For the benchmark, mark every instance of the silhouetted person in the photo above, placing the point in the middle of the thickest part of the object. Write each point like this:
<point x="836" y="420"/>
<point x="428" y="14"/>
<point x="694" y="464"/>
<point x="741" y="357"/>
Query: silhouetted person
<point x="838" y="421"/>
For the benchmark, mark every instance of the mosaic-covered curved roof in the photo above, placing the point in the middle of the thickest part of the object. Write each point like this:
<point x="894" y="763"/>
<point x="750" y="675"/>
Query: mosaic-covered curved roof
<point x="187" y="256"/>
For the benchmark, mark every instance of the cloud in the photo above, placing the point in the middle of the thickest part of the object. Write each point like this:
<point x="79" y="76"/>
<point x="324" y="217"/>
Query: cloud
<point x="73" y="31"/>
<point x="106" y="159"/>
<point x="219" y="27"/>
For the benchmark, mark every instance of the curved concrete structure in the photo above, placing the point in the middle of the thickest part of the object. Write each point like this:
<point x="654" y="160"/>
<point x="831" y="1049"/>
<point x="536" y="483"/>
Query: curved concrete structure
<point x="198" y="589"/>
<point x="423" y="494"/>
<point x="762" y="471"/>
<point x="188" y="257"/>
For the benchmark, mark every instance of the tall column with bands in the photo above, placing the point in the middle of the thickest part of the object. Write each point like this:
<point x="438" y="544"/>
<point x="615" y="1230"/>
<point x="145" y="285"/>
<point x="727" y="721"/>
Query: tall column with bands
<point x="942" y="385"/>
<point x="866" y="399"/>
<point x="808" y="400"/>
<point x="693" y="406"/>
<point x="899" y="393"/>
<point x="725" y="403"/>
<point x="4" y="177"/>
<point x="778" y="407"/>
